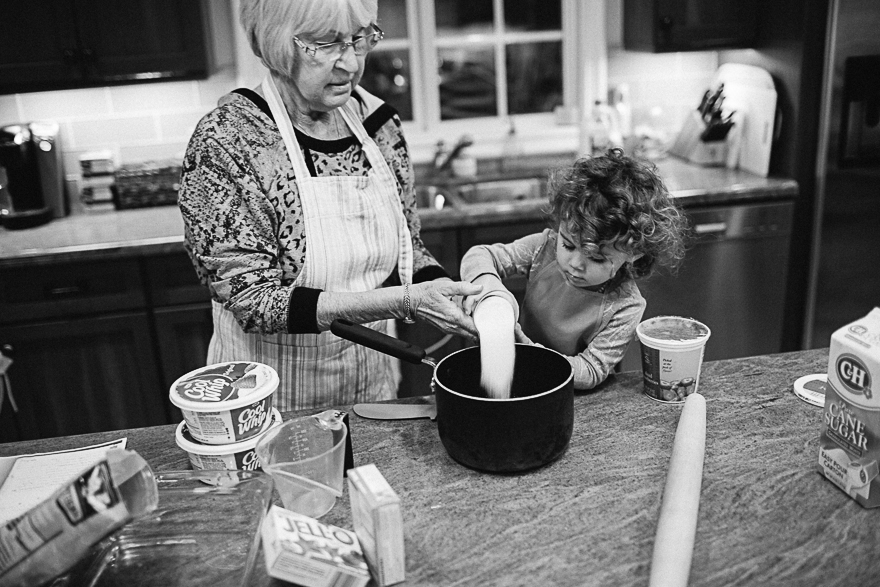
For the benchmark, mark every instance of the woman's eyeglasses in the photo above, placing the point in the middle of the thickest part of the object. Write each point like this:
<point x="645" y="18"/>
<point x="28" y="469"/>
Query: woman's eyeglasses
<point x="333" y="51"/>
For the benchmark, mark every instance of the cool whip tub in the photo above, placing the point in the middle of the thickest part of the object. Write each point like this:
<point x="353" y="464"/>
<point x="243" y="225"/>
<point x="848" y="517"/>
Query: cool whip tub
<point x="672" y="355"/>
<point x="226" y="402"/>
<point x="212" y="457"/>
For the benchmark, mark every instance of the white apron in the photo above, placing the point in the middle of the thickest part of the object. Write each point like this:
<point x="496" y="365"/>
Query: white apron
<point x="356" y="234"/>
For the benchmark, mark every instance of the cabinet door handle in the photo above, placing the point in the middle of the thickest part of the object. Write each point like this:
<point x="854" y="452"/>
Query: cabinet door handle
<point x="711" y="228"/>
<point x="64" y="290"/>
<point x="70" y="56"/>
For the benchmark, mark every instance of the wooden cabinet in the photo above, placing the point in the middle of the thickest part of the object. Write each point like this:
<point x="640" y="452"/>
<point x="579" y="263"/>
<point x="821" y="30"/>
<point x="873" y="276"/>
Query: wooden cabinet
<point x="443" y="244"/>
<point x="83" y="355"/>
<point x="182" y="337"/>
<point x="83" y="375"/>
<point x="689" y="25"/>
<point x="181" y="311"/>
<point x="97" y="344"/>
<point x="79" y="43"/>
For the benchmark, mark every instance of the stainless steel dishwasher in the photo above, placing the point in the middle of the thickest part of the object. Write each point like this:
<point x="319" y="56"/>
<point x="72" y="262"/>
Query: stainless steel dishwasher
<point x="732" y="279"/>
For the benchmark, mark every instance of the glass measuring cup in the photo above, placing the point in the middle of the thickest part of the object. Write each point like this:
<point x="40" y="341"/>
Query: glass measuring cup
<point x="306" y="457"/>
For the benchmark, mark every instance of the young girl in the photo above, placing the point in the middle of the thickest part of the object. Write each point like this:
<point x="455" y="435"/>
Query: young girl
<point x="613" y="221"/>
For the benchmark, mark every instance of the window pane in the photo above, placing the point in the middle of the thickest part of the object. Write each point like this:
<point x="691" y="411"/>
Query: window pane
<point x="392" y="18"/>
<point x="387" y="75"/>
<point x="467" y="83"/>
<point x="534" y="77"/>
<point x="463" y="16"/>
<point x="533" y="15"/>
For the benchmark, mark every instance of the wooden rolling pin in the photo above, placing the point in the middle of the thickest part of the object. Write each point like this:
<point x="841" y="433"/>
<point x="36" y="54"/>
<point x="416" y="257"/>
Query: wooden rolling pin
<point x="677" y="526"/>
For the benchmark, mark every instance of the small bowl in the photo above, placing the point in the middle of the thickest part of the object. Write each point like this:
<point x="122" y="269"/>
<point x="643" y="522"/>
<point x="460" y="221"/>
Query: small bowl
<point x="226" y="402"/>
<point x="212" y="457"/>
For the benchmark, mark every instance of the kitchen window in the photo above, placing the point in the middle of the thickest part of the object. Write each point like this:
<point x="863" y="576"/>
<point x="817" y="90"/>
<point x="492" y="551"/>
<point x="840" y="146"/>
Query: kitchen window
<point x="451" y="66"/>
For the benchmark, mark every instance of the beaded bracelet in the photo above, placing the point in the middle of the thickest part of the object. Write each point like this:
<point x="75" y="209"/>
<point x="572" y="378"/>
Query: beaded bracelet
<point x="407" y="308"/>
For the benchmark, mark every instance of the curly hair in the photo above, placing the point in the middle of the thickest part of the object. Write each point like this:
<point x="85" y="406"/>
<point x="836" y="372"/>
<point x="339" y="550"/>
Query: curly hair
<point x="614" y="200"/>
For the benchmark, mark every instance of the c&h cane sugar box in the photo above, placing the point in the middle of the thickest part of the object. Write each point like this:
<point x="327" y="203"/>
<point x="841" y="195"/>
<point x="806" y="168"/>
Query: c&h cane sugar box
<point x="849" y="446"/>
<point x="302" y="550"/>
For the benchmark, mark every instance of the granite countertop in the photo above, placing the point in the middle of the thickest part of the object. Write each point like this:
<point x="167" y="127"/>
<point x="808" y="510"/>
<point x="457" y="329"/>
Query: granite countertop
<point x="149" y="231"/>
<point x="767" y="517"/>
<point x="690" y="185"/>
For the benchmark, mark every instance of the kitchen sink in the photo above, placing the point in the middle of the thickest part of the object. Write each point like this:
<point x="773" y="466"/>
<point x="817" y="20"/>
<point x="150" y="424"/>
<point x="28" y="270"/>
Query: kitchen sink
<point x="458" y="194"/>
<point x="506" y="190"/>
<point x="437" y="197"/>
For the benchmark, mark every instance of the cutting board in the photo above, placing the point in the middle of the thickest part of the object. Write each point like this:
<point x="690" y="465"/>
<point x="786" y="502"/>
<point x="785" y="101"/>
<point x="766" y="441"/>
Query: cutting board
<point x="750" y="91"/>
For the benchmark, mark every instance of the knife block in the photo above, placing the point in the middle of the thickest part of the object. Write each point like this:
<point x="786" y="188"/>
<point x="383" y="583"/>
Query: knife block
<point x="689" y="146"/>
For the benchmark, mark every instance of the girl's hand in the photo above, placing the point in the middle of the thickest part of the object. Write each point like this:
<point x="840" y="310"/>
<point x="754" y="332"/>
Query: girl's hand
<point x="519" y="336"/>
<point x="436" y="303"/>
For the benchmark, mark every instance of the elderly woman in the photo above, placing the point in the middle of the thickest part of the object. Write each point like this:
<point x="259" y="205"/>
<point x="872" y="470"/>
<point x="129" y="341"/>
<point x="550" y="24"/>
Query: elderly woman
<point x="298" y="204"/>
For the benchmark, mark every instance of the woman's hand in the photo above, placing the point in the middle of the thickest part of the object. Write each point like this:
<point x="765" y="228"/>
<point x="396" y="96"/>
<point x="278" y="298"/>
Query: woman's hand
<point x="437" y="303"/>
<point x="488" y="282"/>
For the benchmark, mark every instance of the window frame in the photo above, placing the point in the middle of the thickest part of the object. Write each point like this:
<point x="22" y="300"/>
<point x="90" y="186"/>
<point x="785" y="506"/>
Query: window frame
<point x="584" y="71"/>
<point x="583" y="39"/>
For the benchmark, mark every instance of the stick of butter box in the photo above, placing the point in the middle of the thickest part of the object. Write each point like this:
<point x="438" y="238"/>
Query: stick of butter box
<point x="378" y="522"/>
<point x="849" y="446"/>
<point x="301" y="550"/>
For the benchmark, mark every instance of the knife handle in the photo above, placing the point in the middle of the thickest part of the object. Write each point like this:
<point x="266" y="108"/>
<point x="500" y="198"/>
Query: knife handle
<point x="377" y="341"/>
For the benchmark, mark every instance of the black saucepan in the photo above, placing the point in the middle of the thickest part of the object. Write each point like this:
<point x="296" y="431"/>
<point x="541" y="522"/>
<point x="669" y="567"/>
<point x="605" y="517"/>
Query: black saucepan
<point x="530" y="429"/>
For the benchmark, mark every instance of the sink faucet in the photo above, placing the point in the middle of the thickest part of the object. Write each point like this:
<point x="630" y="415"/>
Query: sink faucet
<point x="443" y="160"/>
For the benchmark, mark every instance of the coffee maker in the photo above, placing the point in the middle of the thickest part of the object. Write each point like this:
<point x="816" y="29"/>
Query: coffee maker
<point x="45" y="134"/>
<point x="22" y="203"/>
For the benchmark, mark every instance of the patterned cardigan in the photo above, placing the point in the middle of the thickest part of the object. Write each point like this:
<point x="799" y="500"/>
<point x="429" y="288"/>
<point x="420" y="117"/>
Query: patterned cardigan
<point x="243" y="220"/>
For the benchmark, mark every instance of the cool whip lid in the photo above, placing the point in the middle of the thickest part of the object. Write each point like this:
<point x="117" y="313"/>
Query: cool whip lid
<point x="224" y="386"/>
<point x="811" y="388"/>
<point x="673" y="332"/>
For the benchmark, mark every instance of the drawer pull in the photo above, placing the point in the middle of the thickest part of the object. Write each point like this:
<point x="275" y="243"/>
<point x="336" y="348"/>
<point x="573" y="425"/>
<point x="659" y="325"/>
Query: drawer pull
<point x="64" y="290"/>
<point x="711" y="228"/>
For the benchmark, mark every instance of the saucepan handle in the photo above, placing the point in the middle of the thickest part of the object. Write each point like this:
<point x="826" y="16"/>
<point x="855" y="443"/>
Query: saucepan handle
<point x="377" y="341"/>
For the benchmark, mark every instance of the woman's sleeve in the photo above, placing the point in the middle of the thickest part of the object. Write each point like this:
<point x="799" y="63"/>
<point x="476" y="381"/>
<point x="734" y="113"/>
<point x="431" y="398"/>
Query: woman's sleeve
<point x="229" y="228"/>
<point x="593" y="365"/>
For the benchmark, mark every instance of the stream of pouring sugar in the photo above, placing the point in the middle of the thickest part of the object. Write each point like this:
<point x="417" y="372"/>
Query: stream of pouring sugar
<point x="495" y="321"/>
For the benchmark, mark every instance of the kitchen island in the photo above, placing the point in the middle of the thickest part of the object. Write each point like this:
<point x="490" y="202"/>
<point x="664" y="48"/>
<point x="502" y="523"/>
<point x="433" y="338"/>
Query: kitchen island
<point x="767" y="517"/>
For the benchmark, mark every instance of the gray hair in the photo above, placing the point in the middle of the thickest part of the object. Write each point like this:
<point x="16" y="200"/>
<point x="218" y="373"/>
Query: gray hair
<point x="270" y="25"/>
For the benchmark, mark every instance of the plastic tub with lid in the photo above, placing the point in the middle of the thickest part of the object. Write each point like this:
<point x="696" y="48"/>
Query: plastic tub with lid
<point x="226" y="402"/>
<point x="238" y="455"/>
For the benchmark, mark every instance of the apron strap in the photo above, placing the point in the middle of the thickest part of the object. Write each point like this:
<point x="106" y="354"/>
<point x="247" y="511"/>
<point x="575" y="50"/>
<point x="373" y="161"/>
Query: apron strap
<point x="285" y="127"/>
<point x="380" y="166"/>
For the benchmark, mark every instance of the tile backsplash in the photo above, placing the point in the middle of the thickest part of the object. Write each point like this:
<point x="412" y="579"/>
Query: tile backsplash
<point x="150" y="121"/>
<point x="136" y="122"/>
<point x="664" y="87"/>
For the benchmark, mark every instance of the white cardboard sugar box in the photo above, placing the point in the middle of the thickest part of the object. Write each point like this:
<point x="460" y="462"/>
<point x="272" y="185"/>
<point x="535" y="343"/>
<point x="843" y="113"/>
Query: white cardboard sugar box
<point x="301" y="550"/>
<point x="849" y="445"/>
<point x="378" y="522"/>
